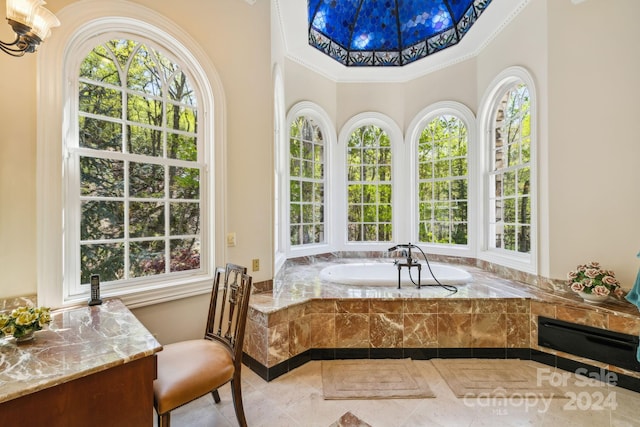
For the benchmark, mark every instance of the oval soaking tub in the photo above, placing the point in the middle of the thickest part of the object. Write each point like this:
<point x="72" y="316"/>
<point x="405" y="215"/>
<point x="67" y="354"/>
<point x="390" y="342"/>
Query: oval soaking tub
<point x="386" y="274"/>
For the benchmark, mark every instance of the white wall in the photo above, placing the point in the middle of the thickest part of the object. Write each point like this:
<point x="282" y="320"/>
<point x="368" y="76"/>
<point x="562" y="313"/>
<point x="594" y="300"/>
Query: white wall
<point x="235" y="36"/>
<point x="594" y="128"/>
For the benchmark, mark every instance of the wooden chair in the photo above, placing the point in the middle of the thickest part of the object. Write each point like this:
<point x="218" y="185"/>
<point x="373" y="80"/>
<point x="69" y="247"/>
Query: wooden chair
<point x="188" y="370"/>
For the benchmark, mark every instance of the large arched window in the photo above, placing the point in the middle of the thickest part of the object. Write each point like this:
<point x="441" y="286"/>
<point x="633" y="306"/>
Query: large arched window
<point x="133" y="132"/>
<point x="369" y="185"/>
<point x="442" y="138"/>
<point x="134" y="170"/>
<point x="308" y="153"/>
<point x="373" y="182"/>
<point x="509" y="220"/>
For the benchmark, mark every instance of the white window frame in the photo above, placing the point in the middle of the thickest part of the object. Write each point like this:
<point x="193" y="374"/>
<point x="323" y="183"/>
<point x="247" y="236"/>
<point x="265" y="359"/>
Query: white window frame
<point x="86" y="25"/>
<point x="400" y="228"/>
<point x="420" y="121"/>
<point x="486" y="122"/>
<point x="321" y="118"/>
<point x="280" y="153"/>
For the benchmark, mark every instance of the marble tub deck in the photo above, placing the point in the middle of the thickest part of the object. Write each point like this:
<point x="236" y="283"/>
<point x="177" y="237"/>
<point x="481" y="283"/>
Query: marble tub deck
<point x="303" y="314"/>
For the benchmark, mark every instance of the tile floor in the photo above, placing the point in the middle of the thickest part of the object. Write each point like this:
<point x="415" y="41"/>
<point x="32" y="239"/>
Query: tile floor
<point x="295" y="399"/>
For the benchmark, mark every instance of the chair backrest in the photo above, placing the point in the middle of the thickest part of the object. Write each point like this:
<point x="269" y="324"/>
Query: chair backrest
<point x="228" y="308"/>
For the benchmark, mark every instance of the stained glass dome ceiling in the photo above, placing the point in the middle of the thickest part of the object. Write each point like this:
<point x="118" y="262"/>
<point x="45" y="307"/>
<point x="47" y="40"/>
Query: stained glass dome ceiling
<point x="388" y="32"/>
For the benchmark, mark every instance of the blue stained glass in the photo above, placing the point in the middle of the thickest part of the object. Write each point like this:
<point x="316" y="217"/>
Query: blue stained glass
<point x="388" y="32"/>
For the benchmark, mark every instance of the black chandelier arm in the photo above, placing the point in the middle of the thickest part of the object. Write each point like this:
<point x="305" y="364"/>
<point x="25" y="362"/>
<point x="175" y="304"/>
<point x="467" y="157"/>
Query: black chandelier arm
<point x="20" y="48"/>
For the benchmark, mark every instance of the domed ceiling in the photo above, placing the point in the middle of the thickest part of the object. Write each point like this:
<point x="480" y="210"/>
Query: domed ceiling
<point x="372" y="34"/>
<point x="389" y="32"/>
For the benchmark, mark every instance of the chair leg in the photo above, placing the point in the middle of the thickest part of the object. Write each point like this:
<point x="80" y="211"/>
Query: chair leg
<point x="237" y="400"/>
<point x="164" y="420"/>
<point x="216" y="395"/>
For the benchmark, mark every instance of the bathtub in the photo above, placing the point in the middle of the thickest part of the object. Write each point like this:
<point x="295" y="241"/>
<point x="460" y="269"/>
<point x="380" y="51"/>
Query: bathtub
<point x="386" y="274"/>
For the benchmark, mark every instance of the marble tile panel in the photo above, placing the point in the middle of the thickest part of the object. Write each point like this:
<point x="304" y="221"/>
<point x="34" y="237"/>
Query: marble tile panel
<point x="587" y="317"/>
<point x="489" y="330"/>
<point x="278" y="317"/>
<point x="278" y="344"/>
<point x="543" y="309"/>
<point x="321" y="306"/>
<point x="297" y="311"/>
<point x="454" y="330"/>
<point x="518" y="330"/>
<point x="624" y="324"/>
<point x="518" y="305"/>
<point x="488" y="305"/>
<point x="385" y="330"/>
<point x="258" y="317"/>
<point x="385" y="306"/>
<point x="323" y="330"/>
<point x="533" y="331"/>
<point x="352" y="330"/>
<point x="352" y="306"/>
<point x="255" y="341"/>
<point x="299" y="335"/>
<point x="420" y="330"/>
<point x="420" y="306"/>
<point x="454" y="306"/>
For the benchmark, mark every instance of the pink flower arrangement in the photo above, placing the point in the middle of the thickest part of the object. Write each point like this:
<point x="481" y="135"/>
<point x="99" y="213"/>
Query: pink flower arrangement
<point x="591" y="279"/>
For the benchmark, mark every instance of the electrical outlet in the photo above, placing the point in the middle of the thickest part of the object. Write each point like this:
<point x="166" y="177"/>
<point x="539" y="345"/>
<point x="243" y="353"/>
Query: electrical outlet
<point x="231" y="239"/>
<point x="255" y="264"/>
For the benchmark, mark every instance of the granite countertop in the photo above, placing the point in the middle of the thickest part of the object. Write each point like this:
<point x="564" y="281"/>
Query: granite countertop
<point x="79" y="341"/>
<point x="300" y="282"/>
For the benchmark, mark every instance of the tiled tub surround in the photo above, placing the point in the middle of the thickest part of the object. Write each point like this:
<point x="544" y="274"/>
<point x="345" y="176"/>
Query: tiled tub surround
<point x="304" y="318"/>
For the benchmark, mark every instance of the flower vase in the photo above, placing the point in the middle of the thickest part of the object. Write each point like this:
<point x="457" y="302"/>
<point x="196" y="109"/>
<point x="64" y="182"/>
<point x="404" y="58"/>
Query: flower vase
<point x="26" y="337"/>
<point x="593" y="298"/>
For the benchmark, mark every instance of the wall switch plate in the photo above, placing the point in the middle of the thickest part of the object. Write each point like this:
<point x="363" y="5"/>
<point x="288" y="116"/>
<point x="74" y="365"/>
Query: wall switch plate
<point x="231" y="239"/>
<point x="255" y="264"/>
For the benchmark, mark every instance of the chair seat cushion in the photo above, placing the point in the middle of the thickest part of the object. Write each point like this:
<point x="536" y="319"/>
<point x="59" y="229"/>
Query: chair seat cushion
<point x="188" y="370"/>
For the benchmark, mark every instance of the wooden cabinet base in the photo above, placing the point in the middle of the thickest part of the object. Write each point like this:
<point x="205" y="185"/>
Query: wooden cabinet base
<point x="120" y="396"/>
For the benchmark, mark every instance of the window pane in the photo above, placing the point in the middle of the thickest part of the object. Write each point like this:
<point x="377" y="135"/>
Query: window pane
<point x="102" y="220"/>
<point x="144" y="110"/>
<point x="101" y="177"/>
<point x="185" y="254"/>
<point x="184" y="183"/>
<point x="184" y="218"/>
<point x="182" y="147"/>
<point x="146" y="219"/>
<point x="146" y="141"/>
<point x="100" y="100"/>
<point x="147" y="258"/>
<point x="146" y="180"/>
<point x="99" y="66"/>
<point x="99" y="134"/>
<point x="106" y="260"/>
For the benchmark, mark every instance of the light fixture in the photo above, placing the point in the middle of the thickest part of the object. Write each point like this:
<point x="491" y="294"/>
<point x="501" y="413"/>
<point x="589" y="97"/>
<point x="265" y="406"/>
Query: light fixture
<point x="32" y="24"/>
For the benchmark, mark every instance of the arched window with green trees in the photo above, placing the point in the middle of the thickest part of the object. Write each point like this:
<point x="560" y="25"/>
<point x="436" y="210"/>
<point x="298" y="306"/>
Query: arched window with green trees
<point x="443" y="181"/>
<point x="306" y="182"/>
<point x="510" y="172"/>
<point x="139" y="162"/>
<point x="369" y="185"/>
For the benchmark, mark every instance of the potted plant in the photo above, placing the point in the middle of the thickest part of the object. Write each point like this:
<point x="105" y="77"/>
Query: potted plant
<point x="22" y="322"/>
<point x="593" y="283"/>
